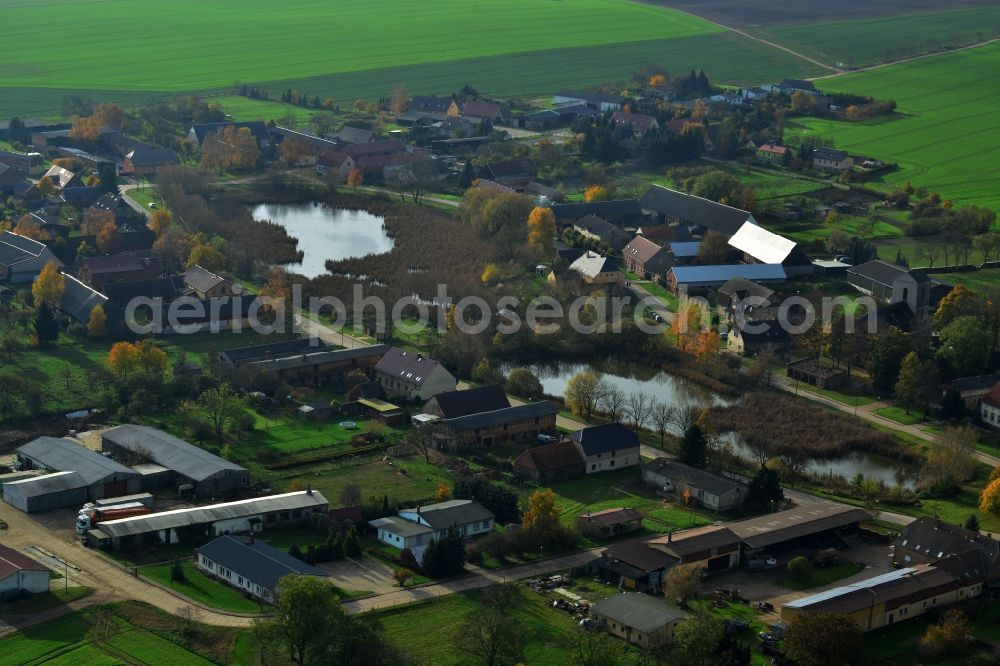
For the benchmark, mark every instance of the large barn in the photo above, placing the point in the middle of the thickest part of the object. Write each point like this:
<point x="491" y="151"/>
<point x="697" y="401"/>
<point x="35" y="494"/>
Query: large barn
<point x="194" y="470"/>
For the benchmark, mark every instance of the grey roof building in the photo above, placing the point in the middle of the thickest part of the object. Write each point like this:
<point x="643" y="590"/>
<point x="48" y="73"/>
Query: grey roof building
<point x="454" y="404"/>
<point x="79" y="300"/>
<point x="500" y="416"/>
<point x="243" y="516"/>
<point x="41" y="493"/>
<point x="638" y="618"/>
<point x="234" y="358"/>
<point x="208" y="473"/>
<point x="716" y="276"/>
<point x="349" y="134"/>
<point x="707" y="488"/>
<point x="412" y="376"/>
<point x="669" y="205"/>
<point x="417" y="528"/>
<point x="22" y="259"/>
<point x="251" y="565"/>
<point x="607" y="447"/>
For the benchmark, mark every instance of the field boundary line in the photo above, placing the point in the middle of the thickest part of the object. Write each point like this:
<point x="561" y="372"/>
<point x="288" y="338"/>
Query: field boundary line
<point x="921" y="56"/>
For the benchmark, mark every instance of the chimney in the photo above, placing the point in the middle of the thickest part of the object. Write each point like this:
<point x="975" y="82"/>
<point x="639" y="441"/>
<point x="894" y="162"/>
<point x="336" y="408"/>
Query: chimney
<point x="309" y="489"/>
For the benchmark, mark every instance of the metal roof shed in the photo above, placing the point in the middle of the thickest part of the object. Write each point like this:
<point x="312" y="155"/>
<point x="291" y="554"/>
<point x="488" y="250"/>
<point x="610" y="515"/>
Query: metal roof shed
<point x="42" y="493"/>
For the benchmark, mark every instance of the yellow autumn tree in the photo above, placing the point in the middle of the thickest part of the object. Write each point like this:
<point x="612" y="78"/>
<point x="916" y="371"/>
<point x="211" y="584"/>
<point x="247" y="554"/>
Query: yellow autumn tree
<point x="29" y="227"/>
<point x="442" y="492"/>
<point x="126" y="358"/>
<point x="45" y="186"/>
<point x="108" y="239"/>
<point x="597" y="193"/>
<point x="541" y="517"/>
<point x="541" y="226"/>
<point x="152" y="360"/>
<point x="491" y="274"/>
<point x="97" y="324"/>
<point x="159" y="222"/>
<point x="657" y="80"/>
<point x="49" y="285"/>
<point x="989" y="500"/>
<point x="687" y="326"/>
<point x="123" y="359"/>
<point x="207" y="257"/>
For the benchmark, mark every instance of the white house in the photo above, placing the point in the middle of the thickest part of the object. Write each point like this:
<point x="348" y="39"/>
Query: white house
<point x="20" y="575"/>
<point x="607" y="447"/>
<point x="417" y="528"/>
<point x="707" y="489"/>
<point x="989" y="408"/>
<point x="250" y="565"/>
<point x="412" y="376"/>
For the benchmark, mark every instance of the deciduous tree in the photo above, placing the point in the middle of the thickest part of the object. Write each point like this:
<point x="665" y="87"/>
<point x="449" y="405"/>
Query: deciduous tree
<point x="989" y="499"/>
<point x="207" y="257"/>
<point x="540" y="520"/>
<point x="824" y="639"/>
<point x="97" y="323"/>
<point x="583" y="392"/>
<point x="541" y="227"/>
<point x="714" y="248"/>
<point x="108" y="239"/>
<point x="523" y="382"/>
<point x="949" y="636"/>
<point x="917" y="384"/>
<point x="700" y="636"/>
<point x="683" y="582"/>
<point x="159" y="222"/>
<point x="598" y="193"/>
<point x="355" y="178"/>
<point x="49" y="285"/>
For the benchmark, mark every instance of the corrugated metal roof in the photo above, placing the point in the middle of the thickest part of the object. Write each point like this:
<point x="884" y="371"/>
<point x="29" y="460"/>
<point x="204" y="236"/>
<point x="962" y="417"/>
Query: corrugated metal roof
<point x="761" y="244"/>
<point x="811" y="518"/>
<point x="500" y="416"/>
<point x="639" y="611"/>
<point x="50" y="483"/>
<point x="720" y="274"/>
<point x="203" y="515"/>
<point x="453" y="512"/>
<point x="400" y="526"/>
<point x="165" y="449"/>
<point x="685" y="248"/>
<point x="64" y="455"/>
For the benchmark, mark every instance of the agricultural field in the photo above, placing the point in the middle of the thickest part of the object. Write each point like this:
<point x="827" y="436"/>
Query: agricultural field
<point x="508" y="49"/>
<point x="861" y="42"/>
<point x="945" y="134"/>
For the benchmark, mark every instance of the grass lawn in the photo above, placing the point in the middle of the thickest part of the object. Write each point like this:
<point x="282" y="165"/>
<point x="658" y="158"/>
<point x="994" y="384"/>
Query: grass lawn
<point x="145" y="195"/>
<point x="948" y="144"/>
<point x="201" y="588"/>
<point x="858" y="399"/>
<point x="38" y="602"/>
<point x="34" y="642"/>
<point x="976" y="281"/>
<point x="613" y="489"/>
<point x="897" y="644"/>
<point x="245" y="108"/>
<point x="428" y="629"/>
<point x="899" y="415"/>
<point x="821" y="576"/>
<point x="150" y="648"/>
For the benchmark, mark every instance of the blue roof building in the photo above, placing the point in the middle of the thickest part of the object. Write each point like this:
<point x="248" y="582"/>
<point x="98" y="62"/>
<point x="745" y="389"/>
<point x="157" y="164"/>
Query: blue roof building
<point x="707" y="277"/>
<point x="250" y="565"/>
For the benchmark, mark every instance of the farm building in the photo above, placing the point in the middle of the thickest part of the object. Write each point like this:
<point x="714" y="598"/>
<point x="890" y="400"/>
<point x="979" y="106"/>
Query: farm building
<point x="42" y="493"/>
<point x="609" y="522"/>
<point x="101" y="476"/>
<point x="898" y="595"/>
<point x="257" y="129"/>
<point x="638" y="618"/>
<point x="831" y="159"/>
<point x="927" y="540"/>
<point x="701" y="215"/>
<point x="753" y="339"/>
<point x="708" y="489"/>
<point x="592" y="268"/>
<point x="714" y="545"/>
<point x="204" y="522"/>
<point x="973" y="389"/>
<point x="22" y="259"/>
<point x="79" y="300"/>
<point x="760" y="246"/>
<point x="417" y="528"/>
<point x="412" y="376"/>
<point x="702" y="278"/>
<point x="817" y="522"/>
<point x="26" y="164"/>
<point x="989" y="408"/>
<point x="317" y="367"/>
<point x="522" y="422"/>
<point x="251" y="566"/>
<point x="910" y="289"/>
<point x="646" y="258"/>
<point x="591" y="226"/>
<point x="606" y="447"/>
<point x="595" y="101"/>
<point x="100" y="271"/>
<point x="453" y="404"/>
<point x="550" y="462"/>
<point x="615" y="211"/>
<point x="238" y="358"/>
<point x="20" y="575"/>
<point x="814" y="372"/>
<point x="206" y="474"/>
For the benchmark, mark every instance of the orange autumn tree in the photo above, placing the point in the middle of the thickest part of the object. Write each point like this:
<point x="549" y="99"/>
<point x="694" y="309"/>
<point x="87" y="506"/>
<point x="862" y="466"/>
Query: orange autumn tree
<point x="687" y="326"/>
<point x="29" y="227"/>
<point x="159" y="222"/>
<point x="123" y="360"/>
<point x="657" y="81"/>
<point x="598" y="193"/>
<point x="97" y="324"/>
<point x="355" y="178"/>
<point x="108" y="239"/>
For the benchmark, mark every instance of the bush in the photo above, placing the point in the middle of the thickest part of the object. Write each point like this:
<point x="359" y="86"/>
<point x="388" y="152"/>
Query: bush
<point x="177" y="572"/>
<point x="799" y="567"/>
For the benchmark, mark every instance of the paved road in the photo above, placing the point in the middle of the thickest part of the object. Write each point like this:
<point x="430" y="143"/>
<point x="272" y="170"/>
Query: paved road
<point x="479" y="579"/>
<point x="329" y="335"/>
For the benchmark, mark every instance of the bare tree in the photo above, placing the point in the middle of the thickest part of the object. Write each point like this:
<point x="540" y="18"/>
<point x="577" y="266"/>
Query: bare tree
<point x="350" y="495"/>
<point x="638" y="406"/>
<point x="684" y="417"/>
<point x="662" y="415"/>
<point x="930" y="252"/>
<point x="418" y="442"/>
<point x="613" y="402"/>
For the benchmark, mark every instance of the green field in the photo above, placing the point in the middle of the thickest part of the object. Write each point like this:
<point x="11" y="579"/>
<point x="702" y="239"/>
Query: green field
<point x="343" y="51"/>
<point x="188" y="45"/>
<point x="857" y="43"/>
<point x="945" y="134"/>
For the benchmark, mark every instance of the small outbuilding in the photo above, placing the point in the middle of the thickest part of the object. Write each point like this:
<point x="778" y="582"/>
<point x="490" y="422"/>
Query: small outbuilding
<point x="638" y="618"/>
<point x="609" y="522"/>
<point x="20" y="575"/>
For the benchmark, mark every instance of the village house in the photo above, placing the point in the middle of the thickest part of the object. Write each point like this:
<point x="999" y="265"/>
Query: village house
<point x="513" y="172"/>
<point x="82" y="157"/>
<point x="607" y="447"/>
<point x="484" y="110"/>
<point x="596" y="269"/>
<point x="831" y="159"/>
<point x="412" y="376"/>
<point x="645" y="258"/>
<point x="972" y="390"/>
<point x="591" y="226"/>
<point x="251" y="566"/>
<point x="21" y="575"/>
<point x="682" y="253"/>
<point x="769" y="153"/>
<point x="638" y="618"/>
<point x="124" y="214"/>
<point x="609" y="523"/>
<point x="634" y="565"/>
<point x="10" y="179"/>
<point x="928" y="540"/>
<point x="792" y="86"/>
<point x="912" y="293"/>
<point x="415" y="529"/>
<point x="62" y="179"/>
<point x="22" y="259"/>
<point x="664" y="205"/>
<point x="26" y="164"/>
<point x="710" y="490"/>
<point x="148" y="160"/>
<point x="556" y="461"/>
<point x="455" y="404"/>
<point x="429" y="104"/>
<point x="485" y="429"/>
<point x="739" y="297"/>
<point x="199" y="132"/>
<point x="103" y="270"/>
<point x="750" y="339"/>
<point x="352" y="135"/>
<point x="203" y="284"/>
<point x="637" y="124"/>
<point x="989" y="408"/>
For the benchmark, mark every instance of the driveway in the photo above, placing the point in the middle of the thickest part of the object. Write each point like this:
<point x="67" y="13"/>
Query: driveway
<point x="361" y="574"/>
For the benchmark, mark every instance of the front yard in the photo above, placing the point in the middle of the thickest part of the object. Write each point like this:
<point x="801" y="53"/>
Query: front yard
<point x="203" y="588"/>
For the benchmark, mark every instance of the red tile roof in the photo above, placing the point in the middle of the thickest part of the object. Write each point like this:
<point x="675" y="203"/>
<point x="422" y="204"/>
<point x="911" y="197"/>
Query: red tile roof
<point x="548" y="457"/>
<point x="771" y="148"/>
<point x="993" y="397"/>
<point x="481" y="110"/>
<point x="12" y="561"/>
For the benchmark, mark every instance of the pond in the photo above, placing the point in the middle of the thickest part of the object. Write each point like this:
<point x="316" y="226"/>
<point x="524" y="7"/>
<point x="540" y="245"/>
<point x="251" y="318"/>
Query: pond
<point x="327" y="233"/>
<point x="678" y="392"/>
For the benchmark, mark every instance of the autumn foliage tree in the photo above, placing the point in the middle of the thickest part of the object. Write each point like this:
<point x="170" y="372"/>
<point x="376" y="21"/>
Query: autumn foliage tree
<point x="989" y="499"/>
<point x="88" y="128"/>
<point x="687" y="326"/>
<point x="49" y="285"/>
<point x="29" y="227"/>
<point x="231" y="149"/>
<point x="159" y="222"/>
<point x="206" y="256"/>
<point x="45" y="186"/>
<point x="293" y="150"/>
<point x="949" y="636"/>
<point x="97" y="323"/>
<point x="598" y="193"/>
<point x="490" y="275"/>
<point x="126" y="359"/>
<point x="355" y="178"/>
<point x="108" y="239"/>
<point x="541" y="227"/>
<point x="682" y="583"/>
